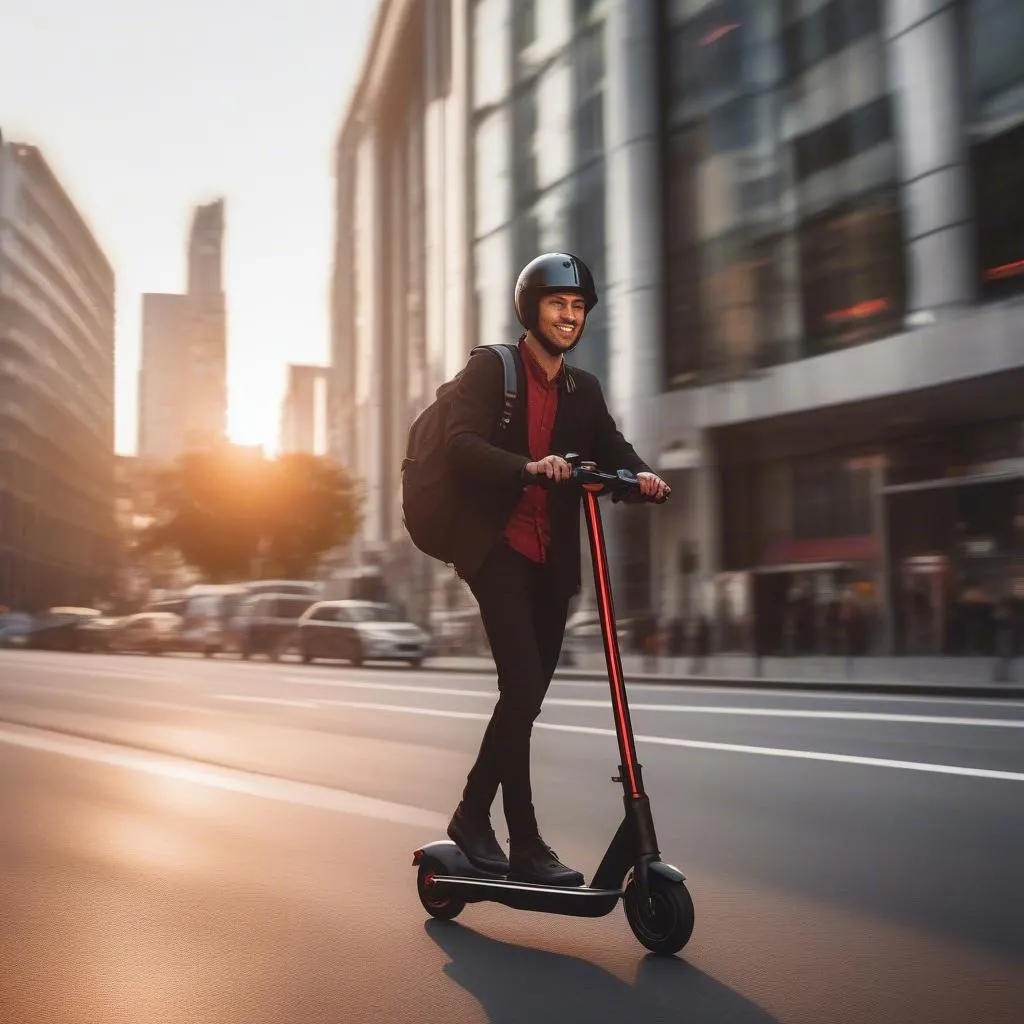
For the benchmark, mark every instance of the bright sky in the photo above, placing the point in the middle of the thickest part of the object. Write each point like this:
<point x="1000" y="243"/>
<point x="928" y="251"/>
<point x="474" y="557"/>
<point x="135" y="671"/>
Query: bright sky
<point x="144" y="110"/>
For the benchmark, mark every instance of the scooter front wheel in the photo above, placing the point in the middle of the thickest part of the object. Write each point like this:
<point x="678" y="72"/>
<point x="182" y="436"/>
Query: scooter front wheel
<point x="667" y="924"/>
<point x="436" y="902"/>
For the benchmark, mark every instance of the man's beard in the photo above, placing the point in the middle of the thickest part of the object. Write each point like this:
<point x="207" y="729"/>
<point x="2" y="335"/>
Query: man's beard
<point x="554" y="349"/>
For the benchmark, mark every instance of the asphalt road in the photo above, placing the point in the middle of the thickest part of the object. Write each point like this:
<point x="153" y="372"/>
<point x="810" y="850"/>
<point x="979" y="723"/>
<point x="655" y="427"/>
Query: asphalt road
<point x="189" y="840"/>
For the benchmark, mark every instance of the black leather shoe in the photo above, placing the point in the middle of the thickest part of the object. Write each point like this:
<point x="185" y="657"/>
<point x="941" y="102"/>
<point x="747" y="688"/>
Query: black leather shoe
<point x="532" y="860"/>
<point x="476" y="839"/>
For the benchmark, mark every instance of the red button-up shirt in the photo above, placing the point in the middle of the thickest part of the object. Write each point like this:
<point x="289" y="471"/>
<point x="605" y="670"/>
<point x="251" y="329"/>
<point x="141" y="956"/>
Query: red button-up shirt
<point x="528" y="531"/>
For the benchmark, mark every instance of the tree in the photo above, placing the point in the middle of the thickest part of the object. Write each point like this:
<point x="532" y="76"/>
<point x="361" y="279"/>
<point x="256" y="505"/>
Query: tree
<point x="234" y="515"/>
<point x="311" y="507"/>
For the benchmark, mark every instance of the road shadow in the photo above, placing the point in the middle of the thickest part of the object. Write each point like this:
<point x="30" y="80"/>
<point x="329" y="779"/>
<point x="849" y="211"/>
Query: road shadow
<point x="516" y="983"/>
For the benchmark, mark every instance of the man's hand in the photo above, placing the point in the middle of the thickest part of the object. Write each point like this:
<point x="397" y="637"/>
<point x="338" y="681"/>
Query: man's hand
<point x="554" y="467"/>
<point x="652" y="486"/>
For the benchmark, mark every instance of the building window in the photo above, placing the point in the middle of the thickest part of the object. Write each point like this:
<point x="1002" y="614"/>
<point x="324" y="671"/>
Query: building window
<point x="852" y="269"/>
<point x="526" y="234"/>
<point x="998" y="168"/>
<point x="843" y="139"/>
<point x="995" y="80"/>
<point x="783" y="233"/>
<point x="524" y="23"/>
<point x="995" y="70"/>
<point x="491" y="172"/>
<point x="825" y="32"/>
<point x="490" y="54"/>
<point x="589" y="74"/>
<point x="524" y="155"/>
<point x="682" y="284"/>
<point x="442" y="57"/>
<point x="587" y="235"/>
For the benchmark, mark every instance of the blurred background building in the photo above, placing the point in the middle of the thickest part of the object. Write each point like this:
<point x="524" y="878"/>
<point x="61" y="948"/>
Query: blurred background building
<point x="304" y="411"/>
<point x="57" y="531"/>
<point x="843" y="354"/>
<point x="183" y="370"/>
<point x="806" y="218"/>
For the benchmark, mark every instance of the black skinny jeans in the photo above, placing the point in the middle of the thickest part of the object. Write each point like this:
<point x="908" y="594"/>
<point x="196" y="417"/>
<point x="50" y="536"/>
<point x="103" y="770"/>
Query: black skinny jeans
<point x="525" y="623"/>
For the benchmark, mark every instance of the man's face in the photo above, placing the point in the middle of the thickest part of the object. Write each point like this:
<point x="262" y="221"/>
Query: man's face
<point x="560" y="321"/>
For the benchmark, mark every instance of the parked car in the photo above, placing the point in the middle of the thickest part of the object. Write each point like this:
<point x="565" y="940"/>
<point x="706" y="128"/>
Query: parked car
<point x="15" y="628"/>
<point x="148" y="632"/>
<point x="206" y="616"/>
<point x="94" y="634"/>
<point x="268" y="624"/>
<point x="66" y="629"/>
<point x="359" y="631"/>
<point x="583" y="635"/>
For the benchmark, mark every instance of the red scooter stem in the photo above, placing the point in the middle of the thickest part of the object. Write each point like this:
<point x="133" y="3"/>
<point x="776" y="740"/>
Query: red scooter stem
<point x="631" y="782"/>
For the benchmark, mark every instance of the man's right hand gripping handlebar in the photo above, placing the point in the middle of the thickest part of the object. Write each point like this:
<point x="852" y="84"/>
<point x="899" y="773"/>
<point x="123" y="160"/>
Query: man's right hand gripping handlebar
<point x="553" y="468"/>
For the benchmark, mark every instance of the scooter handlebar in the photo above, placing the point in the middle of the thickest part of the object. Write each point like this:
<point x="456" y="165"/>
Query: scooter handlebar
<point x="622" y="484"/>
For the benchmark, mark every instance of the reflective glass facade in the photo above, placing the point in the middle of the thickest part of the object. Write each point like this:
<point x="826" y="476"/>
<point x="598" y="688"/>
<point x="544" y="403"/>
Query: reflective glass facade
<point x="790" y="197"/>
<point x="538" y="154"/>
<point x="784" y="234"/>
<point x="995" y="91"/>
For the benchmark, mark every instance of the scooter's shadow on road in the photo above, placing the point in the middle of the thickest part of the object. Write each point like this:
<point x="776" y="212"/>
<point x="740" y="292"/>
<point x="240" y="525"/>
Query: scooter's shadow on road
<point x="514" y="984"/>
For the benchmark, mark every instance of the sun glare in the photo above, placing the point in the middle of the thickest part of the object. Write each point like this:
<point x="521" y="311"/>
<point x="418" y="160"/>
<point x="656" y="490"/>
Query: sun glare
<point x="254" y="409"/>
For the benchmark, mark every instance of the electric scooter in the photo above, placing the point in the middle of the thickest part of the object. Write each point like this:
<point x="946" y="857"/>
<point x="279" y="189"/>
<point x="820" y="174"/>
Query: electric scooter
<point x="655" y="899"/>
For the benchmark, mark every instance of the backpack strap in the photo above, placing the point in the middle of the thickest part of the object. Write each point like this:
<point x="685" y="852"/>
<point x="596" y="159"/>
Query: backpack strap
<point x="507" y="354"/>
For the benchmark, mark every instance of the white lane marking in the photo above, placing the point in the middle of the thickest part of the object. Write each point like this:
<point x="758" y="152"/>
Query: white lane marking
<point x="102" y="673"/>
<point x="232" y="780"/>
<point x="696" y="709"/>
<point x="731" y="748"/>
<point x="110" y="698"/>
<point x="282" y="701"/>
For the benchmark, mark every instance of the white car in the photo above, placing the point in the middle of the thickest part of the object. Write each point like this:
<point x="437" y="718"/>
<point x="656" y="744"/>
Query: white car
<point x="359" y="631"/>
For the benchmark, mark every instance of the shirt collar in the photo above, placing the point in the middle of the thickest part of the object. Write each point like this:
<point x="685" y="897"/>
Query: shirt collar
<point x="562" y="379"/>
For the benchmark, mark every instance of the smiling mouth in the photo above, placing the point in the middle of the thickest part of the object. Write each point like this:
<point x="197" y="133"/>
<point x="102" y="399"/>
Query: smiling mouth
<point x="566" y="328"/>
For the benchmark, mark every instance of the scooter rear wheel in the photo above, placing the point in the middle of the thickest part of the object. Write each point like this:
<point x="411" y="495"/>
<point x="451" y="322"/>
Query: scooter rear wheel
<point x="436" y="902"/>
<point x="667" y="925"/>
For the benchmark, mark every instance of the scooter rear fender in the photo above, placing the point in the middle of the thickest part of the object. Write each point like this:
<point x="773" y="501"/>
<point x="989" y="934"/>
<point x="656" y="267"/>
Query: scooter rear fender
<point x="446" y="856"/>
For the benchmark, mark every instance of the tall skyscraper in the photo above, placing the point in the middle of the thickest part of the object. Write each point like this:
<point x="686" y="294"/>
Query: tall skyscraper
<point x="183" y="378"/>
<point x="57" y="535"/>
<point x="206" y="396"/>
<point x="304" y="413"/>
<point x="162" y="377"/>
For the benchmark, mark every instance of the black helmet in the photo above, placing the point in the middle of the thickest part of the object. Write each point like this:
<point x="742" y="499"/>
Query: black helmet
<point x="552" y="272"/>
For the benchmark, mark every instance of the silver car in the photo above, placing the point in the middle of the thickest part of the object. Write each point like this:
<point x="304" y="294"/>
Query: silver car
<point x="359" y="631"/>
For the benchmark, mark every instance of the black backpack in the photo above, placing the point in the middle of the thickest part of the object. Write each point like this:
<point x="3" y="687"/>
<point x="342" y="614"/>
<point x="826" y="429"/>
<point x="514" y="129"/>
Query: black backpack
<point x="429" y="499"/>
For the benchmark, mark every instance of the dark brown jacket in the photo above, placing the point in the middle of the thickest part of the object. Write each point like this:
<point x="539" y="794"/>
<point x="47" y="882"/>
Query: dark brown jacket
<point x="491" y="473"/>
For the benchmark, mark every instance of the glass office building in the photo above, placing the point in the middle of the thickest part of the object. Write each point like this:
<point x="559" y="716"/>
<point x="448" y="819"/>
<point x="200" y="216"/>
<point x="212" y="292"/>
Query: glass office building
<point x="806" y="218"/>
<point x="843" y="190"/>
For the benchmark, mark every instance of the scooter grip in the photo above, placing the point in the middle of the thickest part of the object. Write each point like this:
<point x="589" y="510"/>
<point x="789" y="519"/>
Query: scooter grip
<point x="637" y="498"/>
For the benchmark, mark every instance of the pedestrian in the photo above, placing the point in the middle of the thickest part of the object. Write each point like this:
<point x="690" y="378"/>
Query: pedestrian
<point x="518" y="546"/>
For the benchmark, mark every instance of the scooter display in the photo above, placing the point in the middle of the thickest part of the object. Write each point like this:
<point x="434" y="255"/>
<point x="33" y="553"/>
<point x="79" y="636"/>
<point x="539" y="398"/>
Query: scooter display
<point x="655" y="899"/>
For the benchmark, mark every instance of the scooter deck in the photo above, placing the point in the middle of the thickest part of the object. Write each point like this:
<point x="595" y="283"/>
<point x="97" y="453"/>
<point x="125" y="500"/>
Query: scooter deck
<point x="458" y="875"/>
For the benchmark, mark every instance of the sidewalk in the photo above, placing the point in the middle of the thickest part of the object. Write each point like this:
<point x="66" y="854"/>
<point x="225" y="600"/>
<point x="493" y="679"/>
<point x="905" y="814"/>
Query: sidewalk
<point x="949" y="677"/>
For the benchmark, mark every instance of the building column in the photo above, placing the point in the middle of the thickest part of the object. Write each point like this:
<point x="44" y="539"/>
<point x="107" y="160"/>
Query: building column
<point x="706" y="523"/>
<point x="924" y="53"/>
<point x="633" y="243"/>
<point x="368" y="335"/>
<point x="633" y="289"/>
